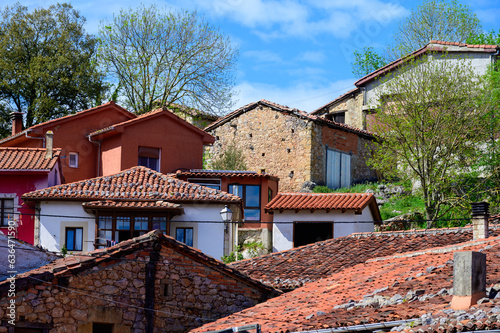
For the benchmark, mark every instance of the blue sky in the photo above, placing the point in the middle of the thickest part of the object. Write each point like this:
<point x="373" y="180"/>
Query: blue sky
<point x="295" y="53"/>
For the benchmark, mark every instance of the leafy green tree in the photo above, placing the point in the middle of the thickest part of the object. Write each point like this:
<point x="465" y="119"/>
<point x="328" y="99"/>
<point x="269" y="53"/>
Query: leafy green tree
<point x="433" y="121"/>
<point x="168" y="57"/>
<point x="230" y="158"/>
<point x="445" y="20"/>
<point x="47" y="63"/>
<point x="490" y="38"/>
<point x="366" y="62"/>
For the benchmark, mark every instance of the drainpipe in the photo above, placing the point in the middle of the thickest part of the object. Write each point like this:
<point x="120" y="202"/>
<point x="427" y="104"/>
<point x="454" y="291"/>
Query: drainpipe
<point x="98" y="155"/>
<point x="35" y="137"/>
<point x="492" y="57"/>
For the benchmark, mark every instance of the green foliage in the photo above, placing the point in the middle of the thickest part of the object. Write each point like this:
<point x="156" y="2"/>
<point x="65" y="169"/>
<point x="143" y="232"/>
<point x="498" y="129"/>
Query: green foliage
<point x="490" y="38"/>
<point x="47" y="64"/>
<point x="253" y="248"/>
<point x="366" y="62"/>
<point x="231" y="158"/>
<point x="168" y="57"/>
<point x="64" y="250"/>
<point x="233" y="256"/>
<point x="433" y="119"/>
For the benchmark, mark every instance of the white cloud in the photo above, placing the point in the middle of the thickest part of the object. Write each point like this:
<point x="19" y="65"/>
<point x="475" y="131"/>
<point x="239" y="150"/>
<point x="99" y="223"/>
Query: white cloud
<point x="303" y="96"/>
<point x="312" y="56"/>
<point x="263" y="56"/>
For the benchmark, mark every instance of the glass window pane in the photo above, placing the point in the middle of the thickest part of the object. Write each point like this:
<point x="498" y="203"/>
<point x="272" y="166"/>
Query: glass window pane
<point x="236" y="190"/>
<point x="179" y="234"/>
<point x="141" y="223"/>
<point x="252" y="196"/>
<point x="70" y="239"/>
<point x="122" y="223"/>
<point x="189" y="236"/>
<point x="160" y="222"/>
<point x="252" y="214"/>
<point x="78" y="239"/>
<point x="8" y="203"/>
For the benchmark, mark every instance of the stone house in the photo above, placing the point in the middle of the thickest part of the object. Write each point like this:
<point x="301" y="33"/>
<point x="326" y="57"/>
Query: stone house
<point x="151" y="283"/>
<point x="356" y="107"/>
<point x="94" y="213"/>
<point x="295" y="146"/>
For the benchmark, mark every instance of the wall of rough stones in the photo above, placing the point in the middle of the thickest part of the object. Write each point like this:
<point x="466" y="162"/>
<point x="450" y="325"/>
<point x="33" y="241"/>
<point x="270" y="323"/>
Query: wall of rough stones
<point x="270" y="140"/>
<point x="354" y="110"/>
<point x="187" y="295"/>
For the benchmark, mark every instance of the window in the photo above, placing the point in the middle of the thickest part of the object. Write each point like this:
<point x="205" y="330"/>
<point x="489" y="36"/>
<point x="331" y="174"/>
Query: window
<point x="338" y="169"/>
<point x="160" y="223"/>
<point x="251" y="200"/>
<point x="149" y="157"/>
<point x="338" y="117"/>
<point x="74" y="239"/>
<point x="184" y="235"/>
<point x="6" y="210"/>
<point x="308" y="233"/>
<point x="122" y="228"/>
<point x="140" y="225"/>
<point x="73" y="160"/>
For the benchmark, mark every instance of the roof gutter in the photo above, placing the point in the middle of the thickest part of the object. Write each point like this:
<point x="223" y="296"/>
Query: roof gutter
<point x="35" y="137"/>
<point x="364" y="327"/>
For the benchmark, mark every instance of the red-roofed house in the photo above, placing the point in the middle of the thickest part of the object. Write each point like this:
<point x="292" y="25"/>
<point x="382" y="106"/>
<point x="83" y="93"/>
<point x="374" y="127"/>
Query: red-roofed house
<point x="295" y="146"/>
<point x="23" y="170"/>
<point x="101" y="211"/>
<point x="151" y="283"/>
<point x="107" y="139"/>
<point x="356" y="106"/>
<point x="305" y="218"/>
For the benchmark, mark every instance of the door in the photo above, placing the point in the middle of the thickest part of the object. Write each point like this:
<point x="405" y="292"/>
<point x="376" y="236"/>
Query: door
<point x="338" y="169"/>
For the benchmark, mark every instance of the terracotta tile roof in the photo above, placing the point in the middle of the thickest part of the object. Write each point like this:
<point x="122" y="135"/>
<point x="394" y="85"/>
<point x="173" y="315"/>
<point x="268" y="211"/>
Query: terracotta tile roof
<point x="68" y="117"/>
<point x="133" y="205"/>
<point x="336" y="100"/>
<point x="223" y="173"/>
<point x="23" y="159"/>
<point x="156" y="112"/>
<point x="432" y="46"/>
<point x="292" y="268"/>
<point x="323" y="201"/>
<point x="291" y="111"/>
<point x="137" y="183"/>
<point x="74" y="264"/>
<point x="415" y="285"/>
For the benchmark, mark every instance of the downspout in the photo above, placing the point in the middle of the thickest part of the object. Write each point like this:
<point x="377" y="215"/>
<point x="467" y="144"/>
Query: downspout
<point x="494" y="55"/>
<point x="35" y="137"/>
<point x="150" y="278"/>
<point x="98" y="155"/>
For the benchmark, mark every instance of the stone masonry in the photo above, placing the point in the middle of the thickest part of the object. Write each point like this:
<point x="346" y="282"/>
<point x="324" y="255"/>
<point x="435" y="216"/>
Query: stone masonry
<point x="290" y="144"/>
<point x="190" y="289"/>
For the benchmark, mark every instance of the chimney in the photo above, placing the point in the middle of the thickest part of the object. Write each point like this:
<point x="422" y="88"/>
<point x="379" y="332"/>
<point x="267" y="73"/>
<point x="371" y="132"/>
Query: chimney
<point x="480" y="217"/>
<point x="17" y="122"/>
<point x="49" y="144"/>
<point x="469" y="279"/>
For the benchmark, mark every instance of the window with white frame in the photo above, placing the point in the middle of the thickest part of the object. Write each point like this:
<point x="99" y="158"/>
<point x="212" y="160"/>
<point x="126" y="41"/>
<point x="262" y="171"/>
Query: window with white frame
<point x="6" y="210"/>
<point x="73" y="160"/>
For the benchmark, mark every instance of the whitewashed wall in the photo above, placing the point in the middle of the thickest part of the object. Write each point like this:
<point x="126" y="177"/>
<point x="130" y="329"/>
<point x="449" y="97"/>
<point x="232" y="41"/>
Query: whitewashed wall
<point x="283" y="224"/>
<point x="208" y="237"/>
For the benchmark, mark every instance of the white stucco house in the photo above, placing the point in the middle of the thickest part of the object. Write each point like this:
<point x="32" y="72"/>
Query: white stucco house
<point x="304" y="218"/>
<point x="102" y="211"/>
<point x="357" y="105"/>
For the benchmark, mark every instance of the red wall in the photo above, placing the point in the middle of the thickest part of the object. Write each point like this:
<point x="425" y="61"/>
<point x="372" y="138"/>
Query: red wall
<point x="341" y="140"/>
<point x="21" y="184"/>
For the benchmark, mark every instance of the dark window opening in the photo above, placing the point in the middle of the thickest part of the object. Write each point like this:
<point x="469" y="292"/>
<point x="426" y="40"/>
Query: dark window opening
<point x="338" y="117"/>
<point x="6" y="210"/>
<point x="149" y="157"/>
<point x="184" y="235"/>
<point x="74" y="239"/>
<point x="251" y="200"/>
<point x="307" y="233"/>
<point x="209" y="182"/>
<point x="102" y="328"/>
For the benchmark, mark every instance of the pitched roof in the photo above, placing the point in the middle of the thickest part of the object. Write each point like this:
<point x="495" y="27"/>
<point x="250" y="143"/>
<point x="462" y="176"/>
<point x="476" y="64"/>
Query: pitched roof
<point x="434" y="45"/>
<point x="413" y="285"/>
<point x="138" y="183"/>
<point x="73" y="264"/>
<point x="292" y="268"/>
<point x="223" y="173"/>
<point x="336" y="100"/>
<point x="149" y="115"/>
<point x="69" y="117"/>
<point x="322" y="201"/>
<point x="288" y="110"/>
<point x="27" y="159"/>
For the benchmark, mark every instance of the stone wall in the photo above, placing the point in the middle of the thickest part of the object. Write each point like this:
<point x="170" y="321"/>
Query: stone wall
<point x="353" y="107"/>
<point x="360" y="172"/>
<point x="277" y="142"/>
<point x="187" y="295"/>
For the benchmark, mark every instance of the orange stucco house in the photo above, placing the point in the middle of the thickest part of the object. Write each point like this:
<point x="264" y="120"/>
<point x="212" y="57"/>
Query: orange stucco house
<point x="107" y="139"/>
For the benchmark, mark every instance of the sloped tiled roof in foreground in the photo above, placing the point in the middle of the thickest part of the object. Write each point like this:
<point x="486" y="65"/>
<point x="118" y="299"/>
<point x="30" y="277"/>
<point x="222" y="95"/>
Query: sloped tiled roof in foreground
<point x="356" y="201"/>
<point x="413" y="285"/>
<point x="138" y="183"/>
<point x="33" y="159"/>
<point x="73" y="264"/>
<point x="295" y="267"/>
